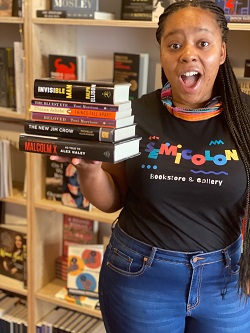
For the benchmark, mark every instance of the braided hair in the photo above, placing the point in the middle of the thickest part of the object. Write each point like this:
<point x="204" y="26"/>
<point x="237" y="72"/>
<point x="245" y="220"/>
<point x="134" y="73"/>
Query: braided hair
<point x="235" y="111"/>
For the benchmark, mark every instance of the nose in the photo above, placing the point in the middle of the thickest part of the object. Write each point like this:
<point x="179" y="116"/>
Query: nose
<point x="188" y="54"/>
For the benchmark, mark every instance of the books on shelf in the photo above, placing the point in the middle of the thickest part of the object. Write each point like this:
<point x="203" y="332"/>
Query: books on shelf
<point x="235" y="11"/>
<point x="95" y="133"/>
<point x="101" y="151"/>
<point x="6" y="177"/>
<point x="6" y="8"/>
<point x="137" y="10"/>
<point x="13" y="251"/>
<point x="92" y="92"/>
<point x="53" y="179"/>
<point x="17" y="8"/>
<point x="247" y="68"/>
<point x="132" y="68"/>
<point x="71" y="192"/>
<point x="67" y="67"/>
<point x="244" y="83"/>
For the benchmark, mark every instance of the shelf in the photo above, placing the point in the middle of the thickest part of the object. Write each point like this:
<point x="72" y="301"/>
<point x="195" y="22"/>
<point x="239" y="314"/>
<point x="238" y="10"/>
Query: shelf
<point x="12" y="285"/>
<point x="7" y="113"/>
<point x="47" y="294"/>
<point x="17" y="197"/>
<point x="94" y="214"/>
<point x="120" y="23"/>
<point x="11" y="20"/>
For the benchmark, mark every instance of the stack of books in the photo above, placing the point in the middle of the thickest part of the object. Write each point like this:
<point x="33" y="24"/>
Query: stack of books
<point x="91" y="120"/>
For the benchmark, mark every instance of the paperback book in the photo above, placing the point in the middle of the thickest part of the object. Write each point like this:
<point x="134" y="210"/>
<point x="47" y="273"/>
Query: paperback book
<point x="67" y="67"/>
<point x="53" y="179"/>
<point x="235" y="11"/>
<point x="132" y="68"/>
<point x="71" y="192"/>
<point x="103" y="134"/>
<point x="92" y="150"/>
<point x="91" y="92"/>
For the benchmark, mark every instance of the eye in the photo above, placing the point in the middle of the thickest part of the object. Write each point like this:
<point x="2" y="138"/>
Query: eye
<point x="174" y="46"/>
<point x="203" y="44"/>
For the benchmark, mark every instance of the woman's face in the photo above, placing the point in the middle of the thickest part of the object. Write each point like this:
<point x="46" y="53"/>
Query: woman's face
<point x="191" y="53"/>
<point x="18" y="242"/>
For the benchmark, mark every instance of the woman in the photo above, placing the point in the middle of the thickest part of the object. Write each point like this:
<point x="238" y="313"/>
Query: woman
<point x="172" y="264"/>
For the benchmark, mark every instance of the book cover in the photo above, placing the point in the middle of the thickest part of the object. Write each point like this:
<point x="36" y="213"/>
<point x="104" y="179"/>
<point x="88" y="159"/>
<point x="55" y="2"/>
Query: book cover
<point x="103" y="134"/>
<point x="6" y="8"/>
<point x="234" y="7"/>
<point x="92" y="150"/>
<point x="53" y="179"/>
<point x="137" y="10"/>
<point x="71" y="192"/>
<point x="13" y="252"/>
<point x="78" y="230"/>
<point x="244" y="83"/>
<point x="85" y="121"/>
<point x="81" y="112"/>
<point x="84" y="264"/>
<point x="7" y="82"/>
<point x="81" y="105"/>
<point x="76" y="9"/>
<point x="67" y="67"/>
<point x="132" y="68"/>
<point x="247" y="68"/>
<point x="17" y="8"/>
<point x="92" y="92"/>
<point x="51" y="13"/>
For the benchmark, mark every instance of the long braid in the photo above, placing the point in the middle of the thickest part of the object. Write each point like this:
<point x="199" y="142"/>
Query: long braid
<point x="235" y="111"/>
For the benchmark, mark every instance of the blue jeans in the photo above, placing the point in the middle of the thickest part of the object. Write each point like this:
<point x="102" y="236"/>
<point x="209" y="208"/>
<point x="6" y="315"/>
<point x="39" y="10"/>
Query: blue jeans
<point x="144" y="289"/>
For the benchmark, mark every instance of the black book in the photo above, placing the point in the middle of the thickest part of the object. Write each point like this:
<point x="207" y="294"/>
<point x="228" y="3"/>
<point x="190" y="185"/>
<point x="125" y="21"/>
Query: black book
<point x="92" y="150"/>
<point x="73" y="90"/>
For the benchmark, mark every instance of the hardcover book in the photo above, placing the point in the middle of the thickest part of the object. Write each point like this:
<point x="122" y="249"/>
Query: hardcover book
<point x="81" y="105"/>
<point x="235" y="11"/>
<point x="13" y="252"/>
<point x="7" y="82"/>
<point x="84" y="7"/>
<point x="132" y="68"/>
<point x="91" y="92"/>
<point x="137" y="10"/>
<point x="247" y="68"/>
<point x="66" y="67"/>
<point x="84" y="121"/>
<point x="104" y="134"/>
<point x="51" y="13"/>
<point x="71" y="192"/>
<point x="92" y="150"/>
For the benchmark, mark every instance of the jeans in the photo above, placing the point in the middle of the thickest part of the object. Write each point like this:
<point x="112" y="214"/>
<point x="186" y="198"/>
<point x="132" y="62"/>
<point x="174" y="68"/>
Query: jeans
<point x="144" y="289"/>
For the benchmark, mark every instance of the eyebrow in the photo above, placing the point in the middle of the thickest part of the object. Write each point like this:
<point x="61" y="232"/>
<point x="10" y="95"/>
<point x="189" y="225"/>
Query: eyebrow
<point x="177" y="31"/>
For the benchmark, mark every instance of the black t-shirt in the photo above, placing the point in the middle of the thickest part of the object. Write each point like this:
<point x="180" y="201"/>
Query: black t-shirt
<point x="187" y="189"/>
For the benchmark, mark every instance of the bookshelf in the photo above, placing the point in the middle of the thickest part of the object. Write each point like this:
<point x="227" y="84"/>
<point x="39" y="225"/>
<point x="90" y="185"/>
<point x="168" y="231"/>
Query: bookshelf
<point x="98" y="40"/>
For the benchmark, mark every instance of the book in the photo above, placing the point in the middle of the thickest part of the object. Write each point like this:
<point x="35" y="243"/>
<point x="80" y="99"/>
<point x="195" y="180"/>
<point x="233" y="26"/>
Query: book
<point x="61" y="321"/>
<point x="92" y="150"/>
<point x="247" y="68"/>
<point x="67" y="67"/>
<point x="53" y="179"/>
<point x="78" y="230"/>
<point x="19" y="65"/>
<point x="51" y="13"/>
<point x="132" y="68"/>
<point x="97" y="328"/>
<point x="244" y="83"/>
<point x="17" y="8"/>
<point x="137" y="10"/>
<point x="71" y="192"/>
<point x="81" y="7"/>
<point x="104" y="134"/>
<point x="238" y="18"/>
<point x="81" y="112"/>
<point x="82" y="91"/>
<point x="84" y="121"/>
<point x="6" y="8"/>
<point x="94" y="15"/>
<point x="7" y="83"/>
<point x="235" y="11"/>
<point x="51" y="318"/>
<point x="13" y="252"/>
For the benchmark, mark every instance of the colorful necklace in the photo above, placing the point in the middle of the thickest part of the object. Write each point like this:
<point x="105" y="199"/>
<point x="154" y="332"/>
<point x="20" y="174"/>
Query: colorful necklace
<point x="211" y="109"/>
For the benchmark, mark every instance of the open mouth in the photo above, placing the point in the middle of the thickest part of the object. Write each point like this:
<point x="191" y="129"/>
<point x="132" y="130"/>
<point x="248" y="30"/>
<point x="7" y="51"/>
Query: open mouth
<point x="190" y="78"/>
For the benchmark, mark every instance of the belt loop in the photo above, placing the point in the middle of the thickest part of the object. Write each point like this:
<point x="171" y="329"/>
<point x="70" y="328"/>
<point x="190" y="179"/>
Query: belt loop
<point x="114" y="224"/>
<point x="151" y="258"/>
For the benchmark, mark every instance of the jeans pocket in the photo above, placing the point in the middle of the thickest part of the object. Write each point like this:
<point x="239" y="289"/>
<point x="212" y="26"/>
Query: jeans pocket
<point x="125" y="261"/>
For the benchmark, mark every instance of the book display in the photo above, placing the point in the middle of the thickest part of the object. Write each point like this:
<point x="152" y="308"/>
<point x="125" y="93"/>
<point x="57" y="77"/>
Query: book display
<point x="235" y="11"/>
<point x="54" y="33"/>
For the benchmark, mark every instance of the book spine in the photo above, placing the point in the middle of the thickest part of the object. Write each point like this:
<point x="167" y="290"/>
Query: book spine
<point x="238" y="18"/>
<point x="66" y="104"/>
<point x="51" y="13"/>
<point x="74" y="112"/>
<point x="80" y="6"/>
<point x="67" y="148"/>
<point x="75" y="132"/>
<point x="4" y="78"/>
<point x="74" y="120"/>
<point x="74" y="91"/>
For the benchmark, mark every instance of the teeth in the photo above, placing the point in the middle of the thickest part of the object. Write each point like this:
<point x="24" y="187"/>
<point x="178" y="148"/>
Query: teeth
<point x="191" y="73"/>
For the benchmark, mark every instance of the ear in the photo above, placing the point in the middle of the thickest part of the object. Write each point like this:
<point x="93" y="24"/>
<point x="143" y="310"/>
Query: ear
<point x="223" y="53"/>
